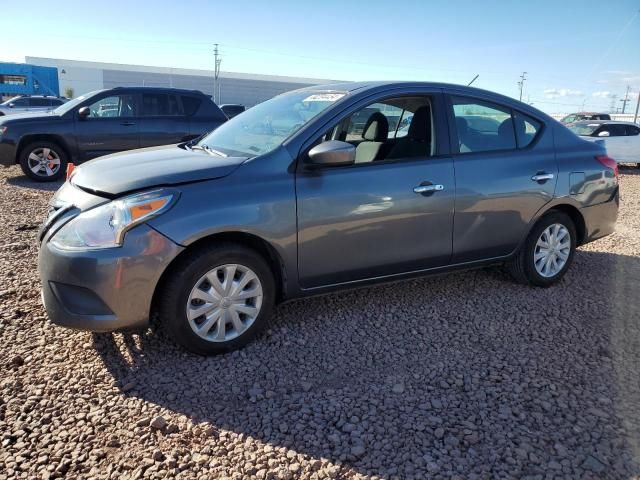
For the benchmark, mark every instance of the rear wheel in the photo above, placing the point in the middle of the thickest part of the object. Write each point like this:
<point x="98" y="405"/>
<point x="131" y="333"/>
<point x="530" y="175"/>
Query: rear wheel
<point x="43" y="161"/>
<point x="547" y="253"/>
<point x="217" y="298"/>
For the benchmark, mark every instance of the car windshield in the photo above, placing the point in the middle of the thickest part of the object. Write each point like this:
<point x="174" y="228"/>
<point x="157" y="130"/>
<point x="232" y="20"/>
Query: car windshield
<point x="584" y="130"/>
<point x="7" y="102"/>
<point x="71" y="104"/>
<point x="264" y="127"/>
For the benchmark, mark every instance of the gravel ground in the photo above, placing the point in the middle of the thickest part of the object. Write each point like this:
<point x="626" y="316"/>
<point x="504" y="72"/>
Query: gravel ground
<point x="460" y="376"/>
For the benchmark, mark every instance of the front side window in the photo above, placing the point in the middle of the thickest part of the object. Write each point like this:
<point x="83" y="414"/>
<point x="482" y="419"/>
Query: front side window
<point x="394" y="129"/>
<point x="20" y="102"/>
<point x="40" y="102"/>
<point x="115" y="106"/>
<point x="159" y="104"/>
<point x="266" y="126"/>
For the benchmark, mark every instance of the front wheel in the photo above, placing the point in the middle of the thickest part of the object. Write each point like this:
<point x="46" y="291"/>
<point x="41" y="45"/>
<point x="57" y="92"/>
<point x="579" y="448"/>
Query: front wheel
<point x="547" y="252"/>
<point x="217" y="298"/>
<point x="43" y="161"/>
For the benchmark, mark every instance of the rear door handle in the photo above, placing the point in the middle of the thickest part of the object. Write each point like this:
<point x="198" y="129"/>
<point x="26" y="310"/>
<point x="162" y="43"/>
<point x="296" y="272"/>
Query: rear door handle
<point x="542" y="177"/>
<point x="421" y="189"/>
<point x="127" y="124"/>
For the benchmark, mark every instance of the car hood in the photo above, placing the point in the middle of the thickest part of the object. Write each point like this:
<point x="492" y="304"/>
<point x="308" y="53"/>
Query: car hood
<point x="124" y="172"/>
<point x="28" y="117"/>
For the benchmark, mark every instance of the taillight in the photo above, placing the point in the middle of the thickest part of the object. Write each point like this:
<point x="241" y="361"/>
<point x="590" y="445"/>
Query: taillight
<point x="609" y="162"/>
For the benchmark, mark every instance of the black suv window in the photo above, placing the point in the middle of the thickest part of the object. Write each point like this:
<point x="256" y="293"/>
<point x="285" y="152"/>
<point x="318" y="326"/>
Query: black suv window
<point x="160" y="104"/>
<point x="191" y="105"/>
<point x="114" y="106"/>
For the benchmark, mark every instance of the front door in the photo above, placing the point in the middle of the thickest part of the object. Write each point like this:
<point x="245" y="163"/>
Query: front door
<point x="506" y="172"/>
<point x="112" y="126"/>
<point x="391" y="212"/>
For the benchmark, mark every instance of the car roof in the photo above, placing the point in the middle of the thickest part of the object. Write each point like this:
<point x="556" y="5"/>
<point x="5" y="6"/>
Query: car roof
<point x="374" y="86"/>
<point x="155" y="89"/>
<point x="589" y="113"/>
<point x="604" y="122"/>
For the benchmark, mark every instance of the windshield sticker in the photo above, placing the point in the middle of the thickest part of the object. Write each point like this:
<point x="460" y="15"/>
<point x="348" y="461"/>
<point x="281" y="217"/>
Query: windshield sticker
<point x="324" y="97"/>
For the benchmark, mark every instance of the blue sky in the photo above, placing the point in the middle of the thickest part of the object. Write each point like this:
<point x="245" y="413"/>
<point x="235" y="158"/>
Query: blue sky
<point x="575" y="53"/>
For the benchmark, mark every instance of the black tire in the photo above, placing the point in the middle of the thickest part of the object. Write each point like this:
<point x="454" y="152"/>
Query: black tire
<point x="522" y="266"/>
<point x="173" y="295"/>
<point x="56" y="151"/>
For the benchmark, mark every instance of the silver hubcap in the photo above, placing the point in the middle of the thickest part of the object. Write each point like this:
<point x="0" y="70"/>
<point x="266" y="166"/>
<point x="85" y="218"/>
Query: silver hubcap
<point x="224" y="303"/>
<point x="552" y="250"/>
<point x="44" y="162"/>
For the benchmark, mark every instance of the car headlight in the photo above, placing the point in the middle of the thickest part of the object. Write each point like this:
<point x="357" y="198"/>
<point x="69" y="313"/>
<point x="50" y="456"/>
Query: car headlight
<point x="106" y="225"/>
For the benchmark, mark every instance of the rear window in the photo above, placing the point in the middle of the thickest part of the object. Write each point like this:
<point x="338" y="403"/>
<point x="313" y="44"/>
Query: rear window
<point x="191" y="105"/>
<point x="160" y="104"/>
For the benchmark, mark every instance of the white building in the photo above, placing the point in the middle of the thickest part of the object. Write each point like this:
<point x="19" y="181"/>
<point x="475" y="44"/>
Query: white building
<point x="243" y="88"/>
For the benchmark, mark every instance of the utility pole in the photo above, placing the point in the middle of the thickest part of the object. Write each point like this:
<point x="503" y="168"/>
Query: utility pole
<point x="635" y="117"/>
<point x="626" y="99"/>
<point x="521" y="83"/>
<point x="216" y="74"/>
<point x="613" y="103"/>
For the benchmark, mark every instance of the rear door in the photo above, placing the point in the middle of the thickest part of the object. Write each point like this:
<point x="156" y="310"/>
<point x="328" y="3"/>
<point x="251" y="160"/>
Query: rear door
<point x="163" y="120"/>
<point x="505" y="173"/>
<point x="112" y="125"/>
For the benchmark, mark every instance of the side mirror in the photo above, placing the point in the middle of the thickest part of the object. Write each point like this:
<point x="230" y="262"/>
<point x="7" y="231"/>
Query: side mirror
<point x="11" y="105"/>
<point x="604" y="134"/>
<point x="84" y="113"/>
<point x="331" y="154"/>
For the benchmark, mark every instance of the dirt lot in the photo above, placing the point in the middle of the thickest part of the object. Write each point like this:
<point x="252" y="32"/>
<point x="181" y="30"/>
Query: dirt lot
<point x="467" y="375"/>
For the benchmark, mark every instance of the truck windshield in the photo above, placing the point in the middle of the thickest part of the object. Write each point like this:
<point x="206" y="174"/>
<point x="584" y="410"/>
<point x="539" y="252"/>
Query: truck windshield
<point x="264" y="127"/>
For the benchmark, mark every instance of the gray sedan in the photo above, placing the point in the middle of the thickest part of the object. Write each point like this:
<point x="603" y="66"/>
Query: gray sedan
<point x="294" y="197"/>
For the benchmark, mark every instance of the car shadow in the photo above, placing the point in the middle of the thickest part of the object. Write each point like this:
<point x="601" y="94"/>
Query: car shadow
<point x="468" y="366"/>
<point x="21" y="180"/>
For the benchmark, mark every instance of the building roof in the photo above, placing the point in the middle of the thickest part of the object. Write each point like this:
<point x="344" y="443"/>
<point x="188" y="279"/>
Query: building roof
<point x="61" y="63"/>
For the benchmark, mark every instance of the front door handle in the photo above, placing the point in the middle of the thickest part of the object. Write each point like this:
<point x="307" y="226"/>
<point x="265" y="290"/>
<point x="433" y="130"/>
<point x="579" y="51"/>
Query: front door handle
<point x="421" y="189"/>
<point x="542" y="177"/>
<point x="127" y="124"/>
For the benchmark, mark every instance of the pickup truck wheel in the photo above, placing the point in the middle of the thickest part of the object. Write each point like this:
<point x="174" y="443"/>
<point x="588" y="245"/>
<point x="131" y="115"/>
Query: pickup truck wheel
<point x="547" y="252"/>
<point x="217" y="298"/>
<point x="43" y="161"/>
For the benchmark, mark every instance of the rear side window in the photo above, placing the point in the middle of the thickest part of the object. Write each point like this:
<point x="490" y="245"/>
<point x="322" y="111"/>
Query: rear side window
<point x="526" y="128"/>
<point x="160" y="105"/>
<point x="632" y="131"/>
<point x="482" y="126"/>
<point x="191" y="105"/>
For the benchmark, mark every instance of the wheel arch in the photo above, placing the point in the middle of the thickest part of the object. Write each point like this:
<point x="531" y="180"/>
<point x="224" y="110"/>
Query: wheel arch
<point x="249" y="240"/>
<point x="573" y="212"/>
<point x="27" y="139"/>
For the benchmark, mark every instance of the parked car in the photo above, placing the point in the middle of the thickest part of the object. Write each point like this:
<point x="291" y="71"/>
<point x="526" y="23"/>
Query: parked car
<point x="104" y="122"/>
<point x="621" y="139"/>
<point x="231" y="110"/>
<point x="210" y="235"/>
<point x="576" y="117"/>
<point x="36" y="103"/>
